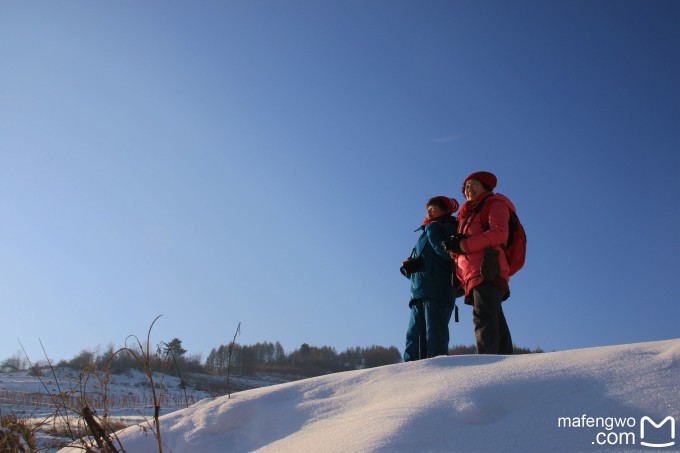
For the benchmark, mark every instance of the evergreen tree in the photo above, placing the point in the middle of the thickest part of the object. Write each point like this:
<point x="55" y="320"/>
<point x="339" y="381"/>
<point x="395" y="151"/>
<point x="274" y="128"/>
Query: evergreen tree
<point x="175" y="348"/>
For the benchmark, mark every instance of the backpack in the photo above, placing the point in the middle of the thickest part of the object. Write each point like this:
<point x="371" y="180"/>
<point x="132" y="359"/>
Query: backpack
<point x="516" y="247"/>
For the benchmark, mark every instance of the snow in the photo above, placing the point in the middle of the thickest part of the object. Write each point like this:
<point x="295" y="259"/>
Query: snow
<point x="589" y="400"/>
<point x="24" y="395"/>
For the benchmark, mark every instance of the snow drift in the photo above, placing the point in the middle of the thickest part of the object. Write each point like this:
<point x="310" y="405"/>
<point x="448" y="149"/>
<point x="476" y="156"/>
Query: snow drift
<point x="597" y="399"/>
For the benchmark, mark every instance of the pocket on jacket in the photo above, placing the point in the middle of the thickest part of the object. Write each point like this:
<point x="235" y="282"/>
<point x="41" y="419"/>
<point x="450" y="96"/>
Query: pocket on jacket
<point x="491" y="266"/>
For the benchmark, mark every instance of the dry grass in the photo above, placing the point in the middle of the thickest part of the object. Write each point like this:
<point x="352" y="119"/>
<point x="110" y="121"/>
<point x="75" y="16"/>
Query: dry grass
<point x="16" y="435"/>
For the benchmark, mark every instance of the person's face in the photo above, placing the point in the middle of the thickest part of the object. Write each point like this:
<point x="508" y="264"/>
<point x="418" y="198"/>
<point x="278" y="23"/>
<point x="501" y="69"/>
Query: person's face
<point x="473" y="189"/>
<point x="434" y="211"/>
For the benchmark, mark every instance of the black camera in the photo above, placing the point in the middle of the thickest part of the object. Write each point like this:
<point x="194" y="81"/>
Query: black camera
<point x="453" y="242"/>
<point x="410" y="266"/>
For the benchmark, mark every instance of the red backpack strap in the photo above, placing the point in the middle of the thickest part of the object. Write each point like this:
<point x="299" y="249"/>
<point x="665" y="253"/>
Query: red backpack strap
<point x="482" y="209"/>
<point x="486" y="208"/>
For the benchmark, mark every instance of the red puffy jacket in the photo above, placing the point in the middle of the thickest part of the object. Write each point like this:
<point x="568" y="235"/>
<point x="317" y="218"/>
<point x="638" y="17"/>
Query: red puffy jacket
<point x="468" y="266"/>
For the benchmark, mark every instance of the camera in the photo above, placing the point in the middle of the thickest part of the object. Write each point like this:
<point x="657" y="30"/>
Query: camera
<point x="450" y="244"/>
<point x="410" y="266"/>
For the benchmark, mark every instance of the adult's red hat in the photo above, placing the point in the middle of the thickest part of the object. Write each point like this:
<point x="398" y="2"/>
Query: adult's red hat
<point x="488" y="179"/>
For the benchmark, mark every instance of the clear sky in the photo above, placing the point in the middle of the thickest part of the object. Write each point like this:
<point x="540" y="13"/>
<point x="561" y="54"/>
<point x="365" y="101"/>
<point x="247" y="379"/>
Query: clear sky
<point x="266" y="162"/>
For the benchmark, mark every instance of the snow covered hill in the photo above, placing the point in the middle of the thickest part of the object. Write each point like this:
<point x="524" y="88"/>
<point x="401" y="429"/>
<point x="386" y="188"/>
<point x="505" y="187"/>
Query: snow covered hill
<point x="617" y="398"/>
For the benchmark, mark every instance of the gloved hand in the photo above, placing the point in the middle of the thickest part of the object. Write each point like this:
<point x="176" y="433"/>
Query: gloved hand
<point x="453" y="245"/>
<point x="491" y="267"/>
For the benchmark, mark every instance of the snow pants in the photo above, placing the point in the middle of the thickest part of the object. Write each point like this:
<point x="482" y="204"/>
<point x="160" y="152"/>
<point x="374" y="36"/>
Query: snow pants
<point x="491" y="328"/>
<point x="428" y="329"/>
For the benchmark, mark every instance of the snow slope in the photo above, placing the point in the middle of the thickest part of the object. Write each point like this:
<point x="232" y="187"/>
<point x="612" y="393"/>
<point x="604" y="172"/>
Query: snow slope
<point x="561" y="401"/>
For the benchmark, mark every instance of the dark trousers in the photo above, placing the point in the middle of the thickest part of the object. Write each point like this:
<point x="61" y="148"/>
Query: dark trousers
<point x="491" y="328"/>
<point x="428" y="330"/>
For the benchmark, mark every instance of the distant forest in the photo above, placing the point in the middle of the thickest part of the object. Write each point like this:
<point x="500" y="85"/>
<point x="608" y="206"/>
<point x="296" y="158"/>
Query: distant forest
<point x="243" y="360"/>
<point x="310" y="360"/>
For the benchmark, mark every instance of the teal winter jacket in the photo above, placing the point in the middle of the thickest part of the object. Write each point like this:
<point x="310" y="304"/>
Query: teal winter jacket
<point x="433" y="278"/>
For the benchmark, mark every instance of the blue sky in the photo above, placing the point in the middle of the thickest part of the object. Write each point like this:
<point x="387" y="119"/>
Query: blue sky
<point x="267" y="162"/>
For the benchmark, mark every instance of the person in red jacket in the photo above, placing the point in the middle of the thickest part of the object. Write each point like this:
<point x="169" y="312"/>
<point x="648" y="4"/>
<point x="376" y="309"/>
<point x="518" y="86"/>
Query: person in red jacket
<point x="481" y="265"/>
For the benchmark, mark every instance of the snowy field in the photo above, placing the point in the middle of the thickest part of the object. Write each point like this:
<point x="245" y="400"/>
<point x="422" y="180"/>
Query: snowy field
<point x="129" y="397"/>
<point x="23" y="394"/>
<point x="617" y="398"/>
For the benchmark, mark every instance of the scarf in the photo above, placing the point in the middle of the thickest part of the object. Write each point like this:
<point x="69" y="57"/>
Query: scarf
<point x="469" y="208"/>
<point x="435" y="219"/>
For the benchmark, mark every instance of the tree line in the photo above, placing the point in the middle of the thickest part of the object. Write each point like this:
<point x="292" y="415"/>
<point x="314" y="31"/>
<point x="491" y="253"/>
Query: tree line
<point x="233" y="358"/>
<point x="305" y="361"/>
<point x="237" y="359"/>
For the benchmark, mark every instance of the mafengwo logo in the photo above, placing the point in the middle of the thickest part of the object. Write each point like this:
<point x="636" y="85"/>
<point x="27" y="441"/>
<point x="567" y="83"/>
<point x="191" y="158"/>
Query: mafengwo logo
<point x="625" y="431"/>
<point x="646" y="420"/>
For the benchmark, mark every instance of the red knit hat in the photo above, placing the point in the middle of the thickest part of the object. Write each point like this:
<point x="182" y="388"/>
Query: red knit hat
<point x="488" y="179"/>
<point x="450" y="204"/>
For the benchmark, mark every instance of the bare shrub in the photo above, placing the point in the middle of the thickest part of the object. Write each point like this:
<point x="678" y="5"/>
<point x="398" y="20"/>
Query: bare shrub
<point x="17" y="362"/>
<point x="146" y="361"/>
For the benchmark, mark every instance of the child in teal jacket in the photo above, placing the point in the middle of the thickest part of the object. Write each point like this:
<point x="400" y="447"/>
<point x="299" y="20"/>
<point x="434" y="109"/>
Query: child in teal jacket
<point x="432" y="294"/>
